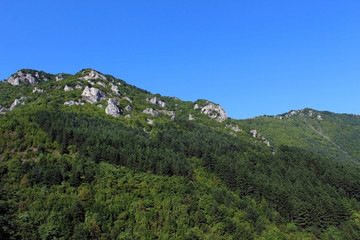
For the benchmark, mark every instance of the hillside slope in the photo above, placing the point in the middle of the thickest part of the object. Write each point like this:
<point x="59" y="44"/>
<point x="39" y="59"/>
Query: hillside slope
<point x="89" y="156"/>
<point x="325" y="133"/>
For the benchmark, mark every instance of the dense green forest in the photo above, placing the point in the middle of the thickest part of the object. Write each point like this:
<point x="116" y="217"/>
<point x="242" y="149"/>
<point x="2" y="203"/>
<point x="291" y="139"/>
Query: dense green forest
<point x="75" y="172"/>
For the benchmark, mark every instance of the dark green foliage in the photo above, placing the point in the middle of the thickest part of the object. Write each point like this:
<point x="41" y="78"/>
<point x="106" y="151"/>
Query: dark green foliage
<point x="100" y="140"/>
<point x="77" y="173"/>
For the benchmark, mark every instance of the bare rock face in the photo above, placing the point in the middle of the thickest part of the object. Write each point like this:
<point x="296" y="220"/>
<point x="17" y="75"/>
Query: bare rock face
<point x="93" y="75"/>
<point x="196" y="106"/>
<point x="92" y="95"/>
<point x="21" y="77"/>
<point x="156" y="101"/>
<point x="3" y="110"/>
<point x="254" y="133"/>
<point x="169" y="113"/>
<point x="16" y="103"/>
<point x="101" y="84"/>
<point x="115" y="89"/>
<point x="215" y="112"/>
<point x="151" y="111"/>
<point x="67" y="88"/>
<point x="128" y="108"/>
<point x="128" y="116"/>
<point x="235" y="128"/>
<point x="191" y="117"/>
<point x="59" y="77"/>
<point x="112" y="108"/>
<point x="127" y="99"/>
<point x="38" y="90"/>
<point x="70" y="103"/>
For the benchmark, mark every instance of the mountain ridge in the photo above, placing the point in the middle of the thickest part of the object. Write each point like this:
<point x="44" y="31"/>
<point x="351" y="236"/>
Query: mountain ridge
<point x="89" y="156"/>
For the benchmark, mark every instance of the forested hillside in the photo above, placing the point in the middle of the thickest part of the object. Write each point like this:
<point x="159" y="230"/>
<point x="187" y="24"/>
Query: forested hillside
<point x="89" y="156"/>
<point x="333" y="135"/>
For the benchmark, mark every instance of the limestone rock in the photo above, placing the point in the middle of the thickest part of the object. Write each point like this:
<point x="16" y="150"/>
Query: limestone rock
<point x="70" y="103"/>
<point x="3" y="110"/>
<point x="112" y="108"/>
<point x="235" y="128"/>
<point x="78" y="86"/>
<point x="156" y="101"/>
<point x="67" y="88"/>
<point x="215" y="112"/>
<point x="127" y="116"/>
<point x="128" y="108"/>
<point x="196" y="106"/>
<point x="254" y="133"/>
<point x="151" y="111"/>
<point x="101" y="84"/>
<point x="150" y="121"/>
<point x="21" y="77"/>
<point x="115" y="89"/>
<point x="92" y="75"/>
<point x="191" y="117"/>
<point x="127" y="99"/>
<point x="92" y="95"/>
<point x="59" y="77"/>
<point x="319" y="117"/>
<point x="38" y="90"/>
<point x="169" y="113"/>
<point x="16" y="103"/>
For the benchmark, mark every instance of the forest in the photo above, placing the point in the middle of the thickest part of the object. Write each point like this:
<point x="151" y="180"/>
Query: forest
<point x="77" y="173"/>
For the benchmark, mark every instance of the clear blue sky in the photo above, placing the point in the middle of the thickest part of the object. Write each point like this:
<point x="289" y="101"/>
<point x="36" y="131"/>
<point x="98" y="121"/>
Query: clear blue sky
<point x="252" y="57"/>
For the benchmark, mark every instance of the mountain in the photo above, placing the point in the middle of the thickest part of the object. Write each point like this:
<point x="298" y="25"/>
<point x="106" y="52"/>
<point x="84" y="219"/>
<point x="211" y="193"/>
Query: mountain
<point x="90" y="156"/>
<point x="333" y="135"/>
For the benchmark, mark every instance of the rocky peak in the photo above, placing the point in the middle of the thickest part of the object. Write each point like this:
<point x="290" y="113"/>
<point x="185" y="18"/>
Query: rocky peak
<point x="91" y="74"/>
<point x="27" y="76"/>
<point x="92" y="95"/>
<point x="214" y="111"/>
<point x="306" y="112"/>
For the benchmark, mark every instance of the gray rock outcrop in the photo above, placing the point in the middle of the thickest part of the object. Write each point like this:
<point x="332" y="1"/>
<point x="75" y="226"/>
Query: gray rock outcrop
<point x="254" y="133"/>
<point x="21" y="77"/>
<point x="92" y="95"/>
<point x="196" y="106"/>
<point x="38" y="90"/>
<point x="151" y="111"/>
<point x="156" y="101"/>
<point x="3" y="110"/>
<point x="67" y="88"/>
<point x="128" y="108"/>
<point x="70" y="103"/>
<point x="101" y="84"/>
<point x="93" y="75"/>
<point x="112" y="108"/>
<point x="115" y="89"/>
<point x="169" y="113"/>
<point x="59" y="77"/>
<point x="127" y="99"/>
<point x="191" y="117"/>
<point x="235" y="128"/>
<point x="215" y="112"/>
<point x="16" y="103"/>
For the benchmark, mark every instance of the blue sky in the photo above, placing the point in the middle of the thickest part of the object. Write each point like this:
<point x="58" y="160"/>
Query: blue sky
<point x="253" y="57"/>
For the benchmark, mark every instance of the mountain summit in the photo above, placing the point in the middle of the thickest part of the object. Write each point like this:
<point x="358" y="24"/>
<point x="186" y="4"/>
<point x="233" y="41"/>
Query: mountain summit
<point x="90" y="156"/>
